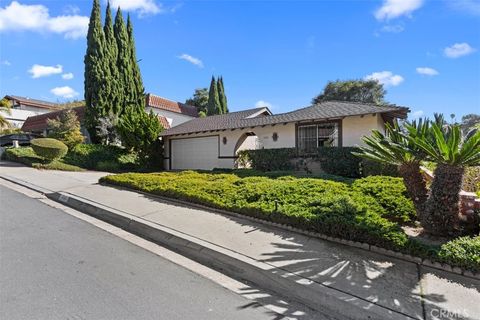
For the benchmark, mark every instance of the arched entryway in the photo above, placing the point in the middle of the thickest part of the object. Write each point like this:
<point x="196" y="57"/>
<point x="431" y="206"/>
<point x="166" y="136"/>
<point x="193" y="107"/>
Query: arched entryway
<point x="247" y="141"/>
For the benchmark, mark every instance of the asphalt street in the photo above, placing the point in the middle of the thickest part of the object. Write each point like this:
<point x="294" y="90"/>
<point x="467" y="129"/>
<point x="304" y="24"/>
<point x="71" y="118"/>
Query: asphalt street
<point x="55" y="266"/>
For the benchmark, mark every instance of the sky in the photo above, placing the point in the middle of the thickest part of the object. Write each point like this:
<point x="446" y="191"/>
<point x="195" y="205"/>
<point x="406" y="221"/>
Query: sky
<point x="278" y="54"/>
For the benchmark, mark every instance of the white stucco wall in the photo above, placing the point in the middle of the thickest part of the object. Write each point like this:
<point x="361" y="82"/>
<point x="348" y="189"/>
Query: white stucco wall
<point x="173" y="118"/>
<point x="354" y="128"/>
<point x="18" y="116"/>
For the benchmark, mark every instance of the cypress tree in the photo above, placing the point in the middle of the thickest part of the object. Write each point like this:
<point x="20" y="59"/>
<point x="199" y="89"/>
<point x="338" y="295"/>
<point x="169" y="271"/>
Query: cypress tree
<point x="139" y="90"/>
<point x="95" y="82"/>
<point x="125" y="81"/>
<point x="222" y="96"/>
<point x="111" y="62"/>
<point x="214" y="106"/>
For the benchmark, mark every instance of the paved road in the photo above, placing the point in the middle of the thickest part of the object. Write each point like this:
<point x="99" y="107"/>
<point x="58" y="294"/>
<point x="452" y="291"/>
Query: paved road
<point x="54" y="266"/>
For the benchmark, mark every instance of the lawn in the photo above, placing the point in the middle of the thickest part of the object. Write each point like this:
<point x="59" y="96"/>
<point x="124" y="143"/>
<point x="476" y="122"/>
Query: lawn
<point x="370" y="210"/>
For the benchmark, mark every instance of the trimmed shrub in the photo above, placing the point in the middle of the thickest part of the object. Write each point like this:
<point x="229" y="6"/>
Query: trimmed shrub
<point x="26" y="156"/>
<point x="340" y="161"/>
<point x="374" y="168"/>
<point x="463" y="252"/>
<point x="101" y="157"/>
<point x="269" y="159"/>
<point x="391" y="194"/>
<point x="49" y="149"/>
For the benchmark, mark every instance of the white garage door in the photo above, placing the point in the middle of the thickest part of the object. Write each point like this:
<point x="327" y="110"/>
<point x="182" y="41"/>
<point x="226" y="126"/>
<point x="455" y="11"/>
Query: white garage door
<point x="195" y="153"/>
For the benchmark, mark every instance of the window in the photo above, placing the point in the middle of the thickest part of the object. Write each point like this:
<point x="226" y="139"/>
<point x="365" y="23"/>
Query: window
<point x="310" y="137"/>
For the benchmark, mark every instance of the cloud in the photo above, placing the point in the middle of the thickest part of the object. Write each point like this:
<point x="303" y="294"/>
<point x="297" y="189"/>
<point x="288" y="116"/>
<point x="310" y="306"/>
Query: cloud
<point x="67" y="76"/>
<point x="5" y="63"/>
<point x="396" y="28"/>
<point x="143" y="7"/>
<point x="263" y="104"/>
<point x="19" y="17"/>
<point x="39" y="71"/>
<point x="387" y="78"/>
<point x="468" y="6"/>
<point x="191" y="59"/>
<point x="427" y="71"/>
<point x="396" y="8"/>
<point x="64" y="92"/>
<point x="458" y="50"/>
<point x="417" y="114"/>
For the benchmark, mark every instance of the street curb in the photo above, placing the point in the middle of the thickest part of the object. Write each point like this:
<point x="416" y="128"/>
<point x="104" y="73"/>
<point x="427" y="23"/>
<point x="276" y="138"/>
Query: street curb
<point x="361" y="245"/>
<point x="317" y="296"/>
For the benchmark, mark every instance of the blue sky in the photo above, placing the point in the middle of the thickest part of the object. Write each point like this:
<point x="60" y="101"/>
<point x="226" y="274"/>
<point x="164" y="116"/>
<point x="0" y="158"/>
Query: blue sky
<point x="276" y="53"/>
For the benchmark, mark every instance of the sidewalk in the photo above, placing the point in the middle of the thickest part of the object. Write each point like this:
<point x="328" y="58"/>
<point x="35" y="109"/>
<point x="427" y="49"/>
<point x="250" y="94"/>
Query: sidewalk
<point x="327" y="276"/>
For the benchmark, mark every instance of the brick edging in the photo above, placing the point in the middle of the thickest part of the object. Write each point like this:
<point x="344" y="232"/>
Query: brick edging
<point x="362" y="245"/>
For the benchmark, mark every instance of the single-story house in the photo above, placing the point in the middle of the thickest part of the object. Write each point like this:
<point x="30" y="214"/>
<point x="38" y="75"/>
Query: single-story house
<point x="23" y="107"/>
<point x="170" y="113"/>
<point x="214" y="141"/>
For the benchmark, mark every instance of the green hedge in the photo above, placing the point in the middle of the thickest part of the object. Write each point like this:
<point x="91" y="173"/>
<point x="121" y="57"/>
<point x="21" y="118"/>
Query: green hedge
<point x="26" y="156"/>
<point x="340" y="161"/>
<point x="391" y="194"/>
<point x="268" y="159"/>
<point x="374" y="168"/>
<point x="49" y="149"/>
<point x="102" y="158"/>
<point x="332" y="208"/>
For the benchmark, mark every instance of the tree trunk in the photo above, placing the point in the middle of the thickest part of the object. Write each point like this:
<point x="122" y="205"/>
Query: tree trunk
<point x="442" y="209"/>
<point x="416" y="187"/>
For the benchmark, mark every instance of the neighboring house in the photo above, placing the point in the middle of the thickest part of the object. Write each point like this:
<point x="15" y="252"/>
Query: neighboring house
<point x="214" y="142"/>
<point x="23" y="107"/>
<point x="170" y="113"/>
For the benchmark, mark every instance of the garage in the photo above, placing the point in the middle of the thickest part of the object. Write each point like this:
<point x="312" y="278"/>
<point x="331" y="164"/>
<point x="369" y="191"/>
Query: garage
<point x="194" y="153"/>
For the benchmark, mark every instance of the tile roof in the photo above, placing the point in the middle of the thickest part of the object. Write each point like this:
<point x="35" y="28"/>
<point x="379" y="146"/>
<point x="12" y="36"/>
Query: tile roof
<point x="33" y="102"/>
<point x="325" y="110"/>
<point x="169" y="105"/>
<point x="164" y="122"/>
<point x="39" y="122"/>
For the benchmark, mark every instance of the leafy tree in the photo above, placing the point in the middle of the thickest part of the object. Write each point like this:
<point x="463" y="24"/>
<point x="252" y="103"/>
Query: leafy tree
<point x="72" y="104"/>
<point x="66" y="128"/>
<point x="111" y="56"/>
<point x="139" y="132"/>
<point x="97" y="74"/>
<point x="222" y="96"/>
<point x="138" y="93"/>
<point x="366" y="91"/>
<point x="452" y="151"/>
<point x="214" y="106"/>
<point x="199" y="100"/>
<point x="5" y="107"/>
<point x="395" y="148"/>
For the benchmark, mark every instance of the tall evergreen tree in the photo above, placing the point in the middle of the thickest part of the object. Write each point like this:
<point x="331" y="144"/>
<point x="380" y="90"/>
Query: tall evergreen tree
<point x="125" y="82"/>
<point x="139" y="90"/>
<point x="214" y="107"/>
<point x="222" y="96"/>
<point x="95" y="72"/>
<point x="111" y="62"/>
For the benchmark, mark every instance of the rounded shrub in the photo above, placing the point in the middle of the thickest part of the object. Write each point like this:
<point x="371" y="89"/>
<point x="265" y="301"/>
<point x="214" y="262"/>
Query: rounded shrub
<point x="49" y="149"/>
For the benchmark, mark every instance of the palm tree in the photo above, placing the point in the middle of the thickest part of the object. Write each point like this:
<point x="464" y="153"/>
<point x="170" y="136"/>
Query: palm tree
<point x="452" y="152"/>
<point x="396" y="148"/>
<point x="4" y="106"/>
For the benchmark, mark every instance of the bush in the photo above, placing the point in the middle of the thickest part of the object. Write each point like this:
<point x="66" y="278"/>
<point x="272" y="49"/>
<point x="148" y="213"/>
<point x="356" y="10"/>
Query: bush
<point x="471" y="179"/>
<point x="463" y="252"/>
<point x="269" y="159"/>
<point x="49" y="149"/>
<point x="101" y="157"/>
<point x="340" y="161"/>
<point x="391" y="194"/>
<point x="66" y="128"/>
<point x="373" y="168"/>
<point x="26" y="156"/>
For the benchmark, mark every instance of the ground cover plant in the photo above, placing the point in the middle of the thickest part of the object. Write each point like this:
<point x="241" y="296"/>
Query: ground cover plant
<point x="358" y="211"/>
<point x="27" y="156"/>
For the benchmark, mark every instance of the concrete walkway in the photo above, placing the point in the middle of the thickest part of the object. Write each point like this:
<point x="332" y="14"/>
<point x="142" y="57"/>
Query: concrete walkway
<point x="368" y="280"/>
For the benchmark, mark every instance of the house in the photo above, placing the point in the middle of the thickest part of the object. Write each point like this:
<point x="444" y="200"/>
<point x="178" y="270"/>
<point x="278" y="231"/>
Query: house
<point x="214" y="142"/>
<point x="170" y="113"/>
<point x="23" y="107"/>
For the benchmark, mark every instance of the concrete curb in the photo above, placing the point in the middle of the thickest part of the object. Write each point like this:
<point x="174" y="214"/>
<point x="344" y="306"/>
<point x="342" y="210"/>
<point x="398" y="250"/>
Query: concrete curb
<point x="325" y="299"/>
<point x="361" y="245"/>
